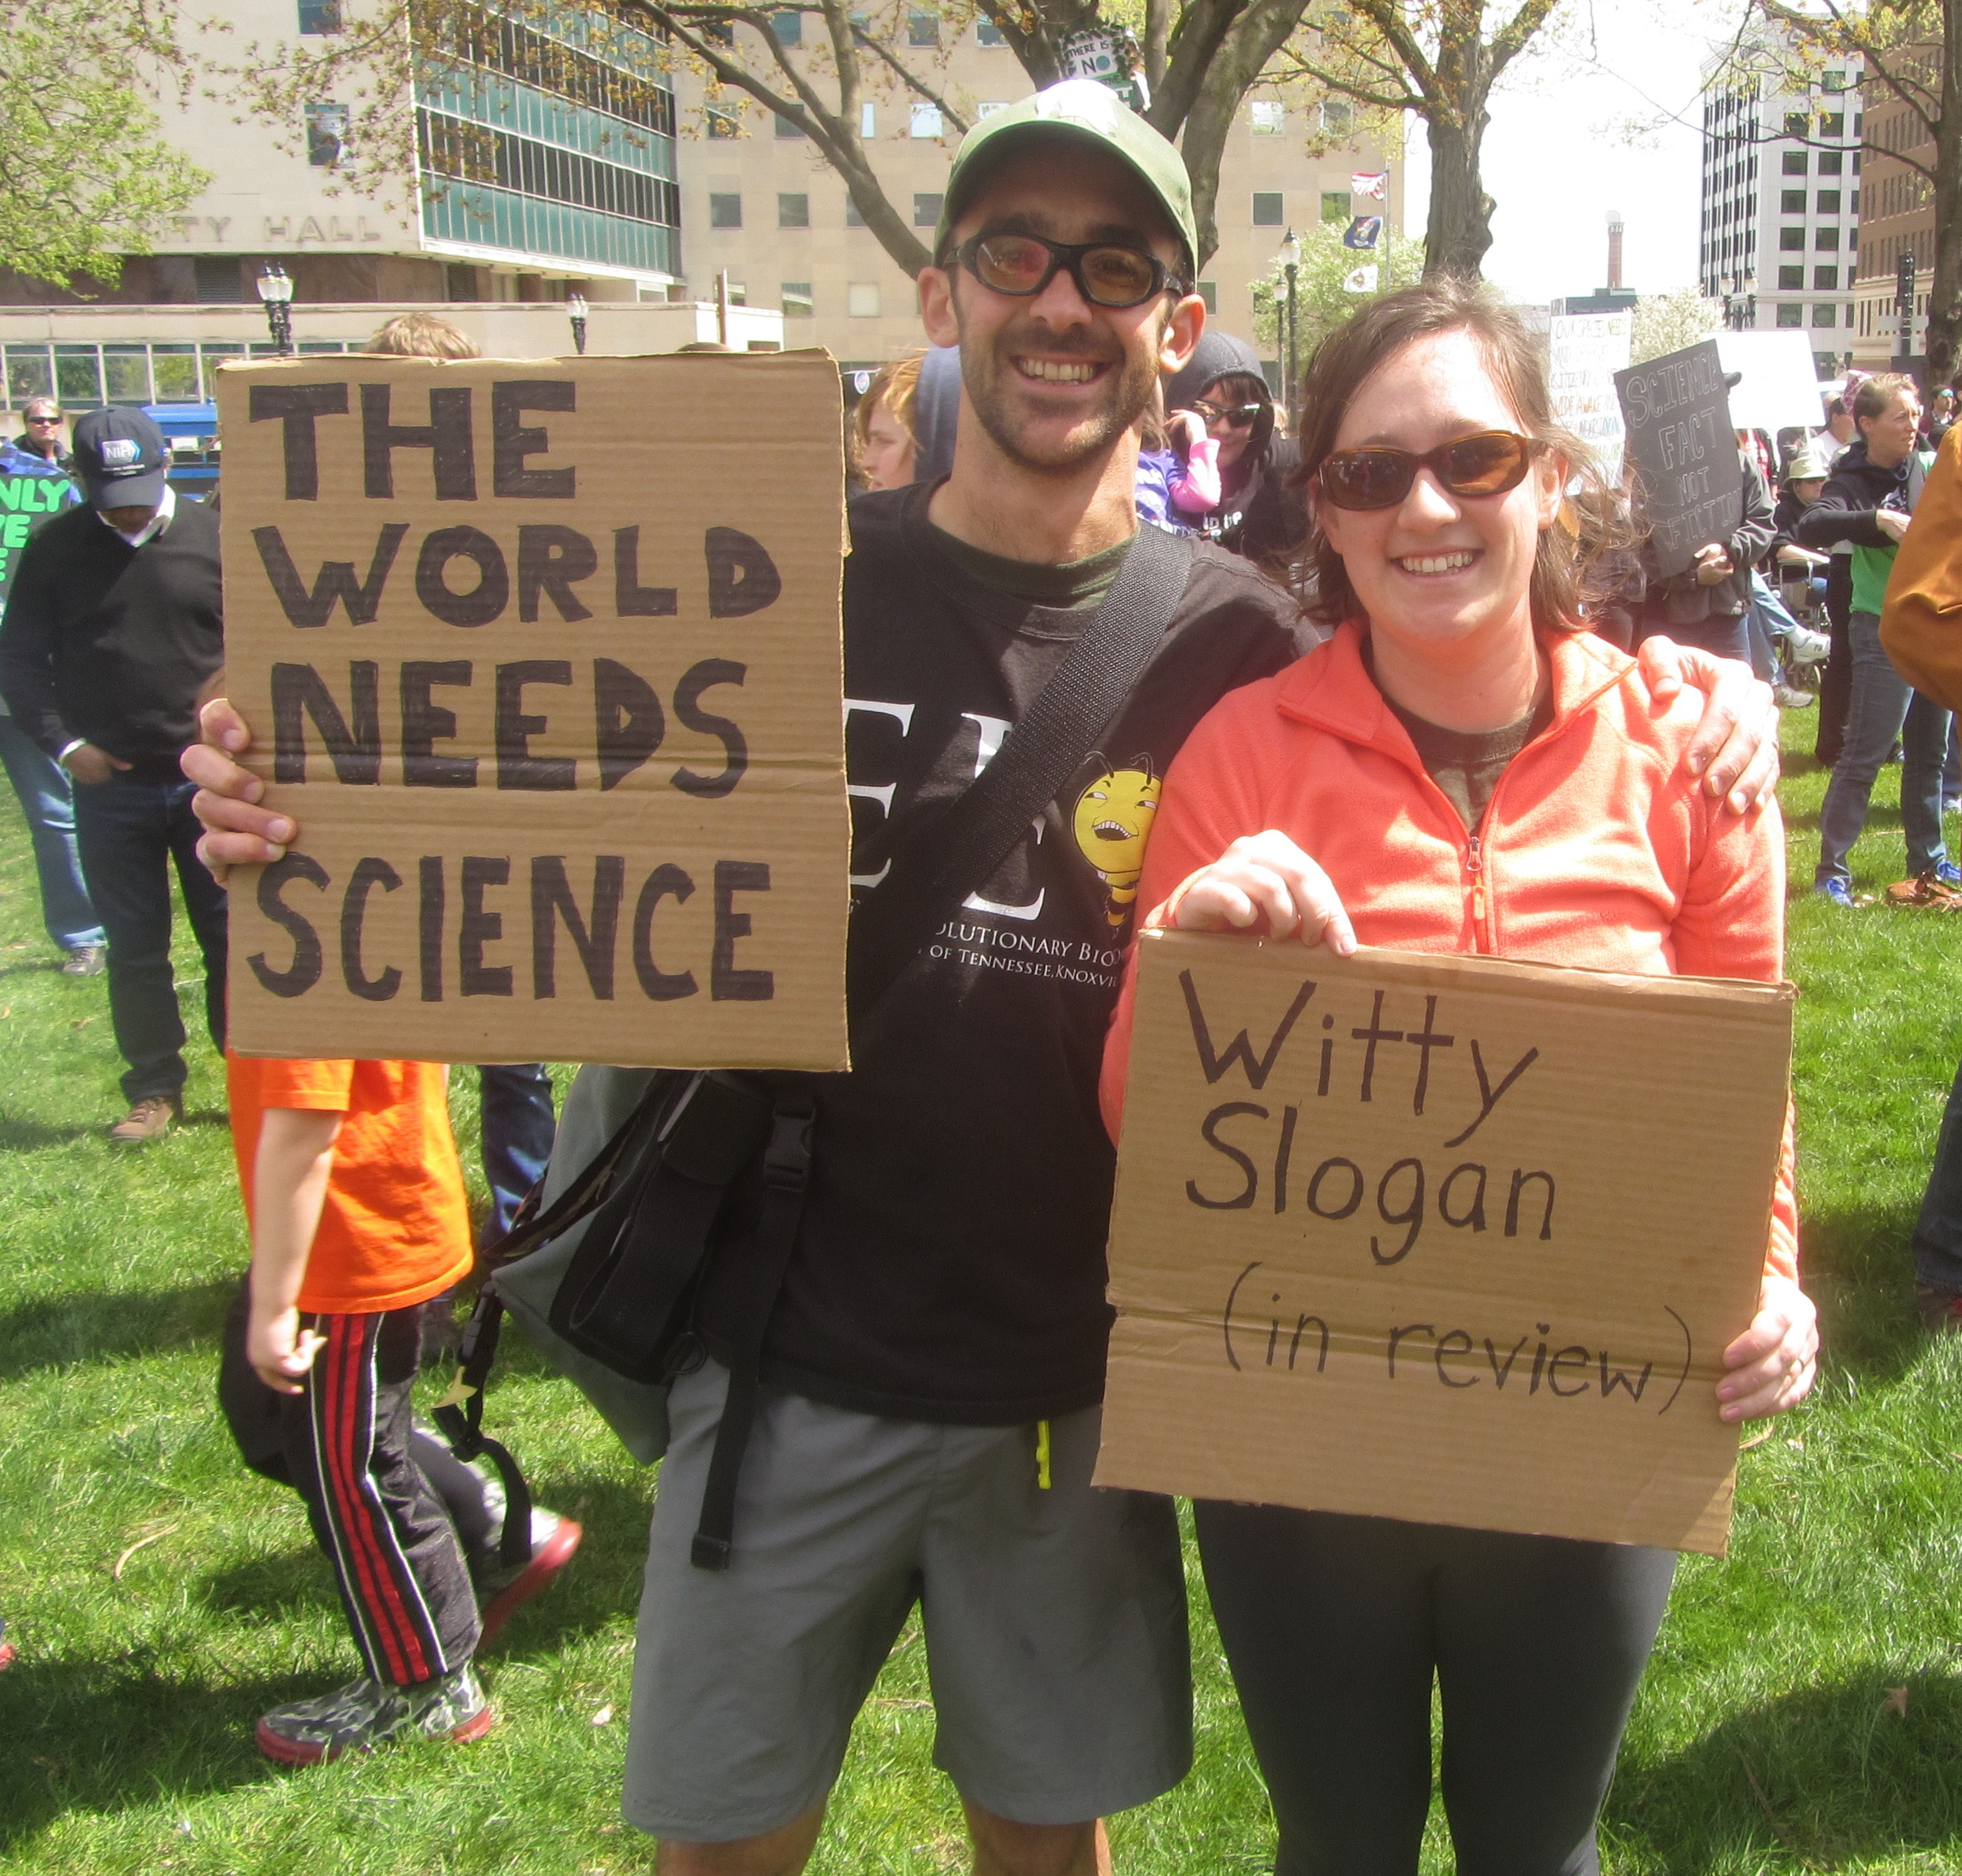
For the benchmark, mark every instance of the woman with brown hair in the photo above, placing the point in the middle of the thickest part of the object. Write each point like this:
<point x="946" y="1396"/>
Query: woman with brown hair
<point x="1474" y="771"/>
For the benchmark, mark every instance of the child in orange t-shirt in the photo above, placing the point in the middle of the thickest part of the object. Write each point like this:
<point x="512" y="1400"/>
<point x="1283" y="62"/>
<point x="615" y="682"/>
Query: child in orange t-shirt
<point x="359" y="1221"/>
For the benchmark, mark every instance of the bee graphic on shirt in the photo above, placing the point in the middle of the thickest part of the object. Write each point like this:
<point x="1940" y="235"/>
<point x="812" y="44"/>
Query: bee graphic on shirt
<point x="1112" y="823"/>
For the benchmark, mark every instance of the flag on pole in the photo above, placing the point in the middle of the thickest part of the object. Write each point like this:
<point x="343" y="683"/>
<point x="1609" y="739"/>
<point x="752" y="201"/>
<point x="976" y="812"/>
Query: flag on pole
<point x="1363" y="280"/>
<point x="1361" y="183"/>
<point x="1362" y="231"/>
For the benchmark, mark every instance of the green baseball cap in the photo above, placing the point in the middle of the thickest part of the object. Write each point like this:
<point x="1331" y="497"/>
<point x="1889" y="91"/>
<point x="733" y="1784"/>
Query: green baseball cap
<point x="1084" y="111"/>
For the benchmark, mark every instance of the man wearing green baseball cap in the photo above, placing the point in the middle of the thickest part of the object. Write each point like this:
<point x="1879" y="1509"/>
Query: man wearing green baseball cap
<point x="932" y="1367"/>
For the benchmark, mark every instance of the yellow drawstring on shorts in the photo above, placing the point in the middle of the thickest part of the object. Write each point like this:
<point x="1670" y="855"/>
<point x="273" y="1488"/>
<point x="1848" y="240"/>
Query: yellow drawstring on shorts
<point x="1042" y="1455"/>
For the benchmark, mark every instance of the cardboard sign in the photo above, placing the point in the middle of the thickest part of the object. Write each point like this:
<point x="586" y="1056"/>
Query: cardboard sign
<point x="1685" y="450"/>
<point x="1452" y="1239"/>
<point x="1584" y="351"/>
<point x="27" y="504"/>
<point x="1777" y="387"/>
<point x="544" y="657"/>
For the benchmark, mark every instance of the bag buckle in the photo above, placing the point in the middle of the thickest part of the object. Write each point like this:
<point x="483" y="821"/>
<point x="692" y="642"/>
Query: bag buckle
<point x="787" y="1159"/>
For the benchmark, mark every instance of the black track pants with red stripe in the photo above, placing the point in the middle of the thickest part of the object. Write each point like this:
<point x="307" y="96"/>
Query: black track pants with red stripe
<point x="344" y="1444"/>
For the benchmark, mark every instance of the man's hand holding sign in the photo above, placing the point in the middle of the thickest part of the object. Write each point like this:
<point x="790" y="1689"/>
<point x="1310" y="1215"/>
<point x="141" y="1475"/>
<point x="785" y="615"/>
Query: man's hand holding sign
<point x="555" y="703"/>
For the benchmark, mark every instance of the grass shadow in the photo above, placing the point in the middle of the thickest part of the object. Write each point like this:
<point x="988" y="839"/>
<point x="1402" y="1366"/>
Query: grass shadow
<point x="97" y="1736"/>
<point x="1829" y="1775"/>
<point x="1859" y="1269"/>
<point x="105" y="1325"/>
<point x="21" y="1134"/>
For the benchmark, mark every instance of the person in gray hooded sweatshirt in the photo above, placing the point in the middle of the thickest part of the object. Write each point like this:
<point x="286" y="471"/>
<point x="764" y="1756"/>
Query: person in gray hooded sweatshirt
<point x="1260" y="515"/>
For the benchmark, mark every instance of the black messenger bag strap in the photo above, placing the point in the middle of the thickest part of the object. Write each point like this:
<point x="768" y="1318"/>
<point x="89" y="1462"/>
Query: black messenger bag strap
<point x="937" y="867"/>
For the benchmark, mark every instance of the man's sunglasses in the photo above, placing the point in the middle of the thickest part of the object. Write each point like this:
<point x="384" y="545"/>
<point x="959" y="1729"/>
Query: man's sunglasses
<point x="1489" y="464"/>
<point x="44" y="420"/>
<point x="1240" y="416"/>
<point x="1022" y="265"/>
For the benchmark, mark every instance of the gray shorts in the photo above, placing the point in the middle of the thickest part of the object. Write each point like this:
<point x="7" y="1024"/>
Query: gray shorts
<point x="1054" y="1619"/>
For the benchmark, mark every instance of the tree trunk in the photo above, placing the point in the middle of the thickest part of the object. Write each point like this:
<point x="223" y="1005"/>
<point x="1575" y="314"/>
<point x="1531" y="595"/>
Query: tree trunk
<point x="1158" y="29"/>
<point x="1459" y="230"/>
<point x="1944" y="299"/>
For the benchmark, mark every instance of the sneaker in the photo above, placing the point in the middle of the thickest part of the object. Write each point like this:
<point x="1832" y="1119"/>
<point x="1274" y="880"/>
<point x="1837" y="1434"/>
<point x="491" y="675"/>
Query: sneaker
<point x="1788" y="698"/>
<point x="503" y="1590"/>
<point x="1835" y="892"/>
<point x="1949" y="874"/>
<point x="365" y="1713"/>
<point x="1939" y="1309"/>
<point x="148" y="1120"/>
<point x="1805" y="645"/>
<point x="1928" y="892"/>
<point x="85" y="960"/>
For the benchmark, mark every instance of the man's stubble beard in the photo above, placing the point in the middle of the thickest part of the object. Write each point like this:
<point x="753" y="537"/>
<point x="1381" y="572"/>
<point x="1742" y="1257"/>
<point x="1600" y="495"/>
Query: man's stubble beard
<point x="986" y="376"/>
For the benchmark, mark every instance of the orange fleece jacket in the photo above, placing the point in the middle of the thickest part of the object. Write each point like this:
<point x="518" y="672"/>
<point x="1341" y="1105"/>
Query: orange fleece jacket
<point x="1598" y="849"/>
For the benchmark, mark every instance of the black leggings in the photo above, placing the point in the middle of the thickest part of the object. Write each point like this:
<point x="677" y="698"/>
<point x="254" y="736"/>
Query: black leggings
<point x="1334" y="1628"/>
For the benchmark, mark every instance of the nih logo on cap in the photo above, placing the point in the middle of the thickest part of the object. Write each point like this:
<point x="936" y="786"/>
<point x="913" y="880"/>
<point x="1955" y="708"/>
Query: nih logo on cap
<point x="121" y="452"/>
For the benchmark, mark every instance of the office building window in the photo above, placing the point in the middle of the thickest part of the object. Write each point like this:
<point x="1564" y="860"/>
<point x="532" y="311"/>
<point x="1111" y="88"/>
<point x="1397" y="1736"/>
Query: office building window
<point x="326" y="135"/>
<point x="1796" y="123"/>
<point x="739" y="294"/>
<point x="1824" y="315"/>
<point x="1828" y="202"/>
<point x="1268" y="210"/>
<point x="1856" y="202"/>
<point x="922" y="28"/>
<point x="852" y="218"/>
<point x="1338" y="118"/>
<point x="1833" y="81"/>
<point x="861" y="300"/>
<point x="1791" y="240"/>
<point x="1826" y="238"/>
<point x="1791" y="315"/>
<point x="926" y="210"/>
<point x="986" y="32"/>
<point x="1792" y="163"/>
<point x="1209" y="291"/>
<point x="796" y="299"/>
<point x="988" y="110"/>
<point x="1791" y="279"/>
<point x="725" y="211"/>
<point x="1269" y="117"/>
<point x="1335" y="205"/>
<point x="1792" y="201"/>
<point x="1833" y="125"/>
<point x="1825" y="279"/>
<point x="794" y="211"/>
<point x="788" y="28"/>
<point x="868" y="120"/>
<point x="320" y="16"/>
<point x="724" y="120"/>
<point x="1831" y="162"/>
<point x="924" y="122"/>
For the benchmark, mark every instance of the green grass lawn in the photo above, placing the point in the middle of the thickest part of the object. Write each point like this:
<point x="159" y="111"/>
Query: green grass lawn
<point x="162" y="1597"/>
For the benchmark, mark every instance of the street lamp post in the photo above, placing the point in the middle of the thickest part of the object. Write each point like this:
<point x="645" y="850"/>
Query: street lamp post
<point x="1290" y="264"/>
<point x="276" y="289"/>
<point x="575" y="308"/>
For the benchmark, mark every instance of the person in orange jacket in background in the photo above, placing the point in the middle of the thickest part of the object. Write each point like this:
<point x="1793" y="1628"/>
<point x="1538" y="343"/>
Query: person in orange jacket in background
<point x="1921" y="632"/>
<point x="1474" y="772"/>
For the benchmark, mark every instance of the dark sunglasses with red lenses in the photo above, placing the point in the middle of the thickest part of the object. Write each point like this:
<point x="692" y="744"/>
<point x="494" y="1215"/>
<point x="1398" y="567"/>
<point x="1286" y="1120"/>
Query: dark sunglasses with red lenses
<point x="1106" y="275"/>
<point x="1489" y="463"/>
<point x="1239" y="415"/>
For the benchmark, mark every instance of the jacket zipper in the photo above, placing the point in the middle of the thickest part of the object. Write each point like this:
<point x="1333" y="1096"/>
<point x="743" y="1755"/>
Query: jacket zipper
<point x="1474" y="869"/>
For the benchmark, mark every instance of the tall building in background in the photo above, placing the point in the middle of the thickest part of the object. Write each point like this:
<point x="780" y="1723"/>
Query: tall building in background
<point x="1897" y="222"/>
<point x="544" y="165"/>
<point x="762" y="206"/>
<point x="1782" y="197"/>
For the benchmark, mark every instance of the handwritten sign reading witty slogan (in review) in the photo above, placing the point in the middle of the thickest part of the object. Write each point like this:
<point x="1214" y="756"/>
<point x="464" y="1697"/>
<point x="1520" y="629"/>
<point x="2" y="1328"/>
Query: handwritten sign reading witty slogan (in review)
<point x="1454" y="1239"/>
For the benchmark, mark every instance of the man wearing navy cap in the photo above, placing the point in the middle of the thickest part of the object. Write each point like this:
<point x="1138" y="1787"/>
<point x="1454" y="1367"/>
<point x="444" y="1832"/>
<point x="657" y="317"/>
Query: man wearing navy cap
<point x="113" y="626"/>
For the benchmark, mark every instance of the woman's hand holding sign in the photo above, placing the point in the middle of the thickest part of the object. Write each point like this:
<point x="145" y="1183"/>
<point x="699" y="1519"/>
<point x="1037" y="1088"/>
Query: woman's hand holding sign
<point x="1774" y="1363"/>
<point x="1265" y="879"/>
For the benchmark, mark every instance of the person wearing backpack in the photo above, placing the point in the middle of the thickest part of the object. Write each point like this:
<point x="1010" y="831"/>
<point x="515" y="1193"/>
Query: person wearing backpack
<point x="929" y="1371"/>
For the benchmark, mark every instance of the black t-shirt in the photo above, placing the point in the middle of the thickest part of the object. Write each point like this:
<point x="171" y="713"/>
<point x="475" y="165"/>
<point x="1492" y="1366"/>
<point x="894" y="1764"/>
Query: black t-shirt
<point x="951" y="1266"/>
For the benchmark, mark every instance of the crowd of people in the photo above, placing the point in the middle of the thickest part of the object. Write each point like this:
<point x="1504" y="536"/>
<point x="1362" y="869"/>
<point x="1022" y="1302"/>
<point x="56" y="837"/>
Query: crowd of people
<point x="1384" y="704"/>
